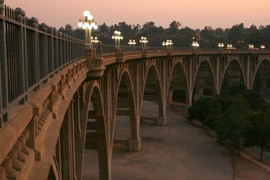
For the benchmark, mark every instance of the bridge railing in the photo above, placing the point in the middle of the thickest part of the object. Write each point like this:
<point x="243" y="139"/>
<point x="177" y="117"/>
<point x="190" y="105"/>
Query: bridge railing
<point x="30" y="53"/>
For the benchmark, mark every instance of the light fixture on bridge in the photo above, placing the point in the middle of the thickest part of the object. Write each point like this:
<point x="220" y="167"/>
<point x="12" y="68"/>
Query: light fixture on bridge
<point x="143" y="41"/>
<point x="229" y="46"/>
<point x="220" y="45"/>
<point x="132" y="42"/>
<point x="87" y="24"/>
<point x="118" y="37"/>
<point x="195" y="44"/>
<point x="250" y="46"/>
<point x="262" y="47"/>
<point x="94" y="40"/>
<point x="168" y="44"/>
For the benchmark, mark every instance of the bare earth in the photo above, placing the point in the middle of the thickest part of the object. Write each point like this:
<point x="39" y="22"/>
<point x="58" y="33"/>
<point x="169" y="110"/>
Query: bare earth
<point x="178" y="151"/>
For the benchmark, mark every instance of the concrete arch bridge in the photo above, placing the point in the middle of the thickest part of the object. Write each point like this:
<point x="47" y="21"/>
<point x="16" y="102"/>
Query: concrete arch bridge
<point x="58" y="98"/>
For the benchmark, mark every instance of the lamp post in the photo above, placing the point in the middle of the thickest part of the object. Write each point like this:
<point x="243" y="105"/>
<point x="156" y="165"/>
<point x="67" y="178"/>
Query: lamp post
<point x="229" y="46"/>
<point x="220" y="45"/>
<point x="87" y="24"/>
<point x="250" y="46"/>
<point x="195" y="44"/>
<point x="118" y="37"/>
<point x="168" y="44"/>
<point x="143" y="41"/>
<point x="262" y="47"/>
<point x="131" y="42"/>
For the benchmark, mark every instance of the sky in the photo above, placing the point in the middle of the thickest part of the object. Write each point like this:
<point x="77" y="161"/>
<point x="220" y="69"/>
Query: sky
<point x="191" y="13"/>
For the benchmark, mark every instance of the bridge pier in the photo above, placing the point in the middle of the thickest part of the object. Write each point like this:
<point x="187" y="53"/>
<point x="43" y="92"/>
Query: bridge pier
<point x="134" y="145"/>
<point x="162" y="121"/>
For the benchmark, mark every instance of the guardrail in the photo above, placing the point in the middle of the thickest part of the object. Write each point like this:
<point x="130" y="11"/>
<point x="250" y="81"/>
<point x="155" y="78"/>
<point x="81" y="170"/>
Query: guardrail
<point x="30" y="53"/>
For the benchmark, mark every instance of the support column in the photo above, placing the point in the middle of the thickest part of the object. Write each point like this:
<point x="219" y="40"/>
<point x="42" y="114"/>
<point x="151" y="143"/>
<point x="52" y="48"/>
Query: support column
<point x="77" y="116"/>
<point x="162" y="119"/>
<point x="135" y="140"/>
<point x="65" y="147"/>
<point x="217" y="87"/>
<point x="190" y="80"/>
<point x="248" y="74"/>
<point x="72" y="141"/>
<point x="134" y="143"/>
<point x="170" y="96"/>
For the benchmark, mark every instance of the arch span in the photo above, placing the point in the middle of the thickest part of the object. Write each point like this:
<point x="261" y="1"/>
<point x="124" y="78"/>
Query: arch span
<point x="97" y="131"/>
<point x="233" y="76"/>
<point x="152" y="91"/>
<point x="261" y="80"/>
<point x="178" y="89"/>
<point x="204" y="81"/>
<point x="125" y="106"/>
<point x="256" y="71"/>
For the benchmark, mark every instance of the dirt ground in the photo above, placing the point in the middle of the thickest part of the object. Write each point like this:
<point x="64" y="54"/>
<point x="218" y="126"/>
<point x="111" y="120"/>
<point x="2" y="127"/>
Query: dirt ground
<point x="178" y="151"/>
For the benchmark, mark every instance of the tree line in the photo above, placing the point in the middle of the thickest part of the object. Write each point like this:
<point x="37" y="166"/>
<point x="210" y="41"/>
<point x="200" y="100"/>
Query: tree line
<point x="208" y="37"/>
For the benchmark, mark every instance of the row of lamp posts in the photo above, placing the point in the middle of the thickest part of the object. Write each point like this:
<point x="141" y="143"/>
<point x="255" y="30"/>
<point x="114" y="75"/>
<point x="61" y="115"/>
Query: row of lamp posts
<point x="88" y="24"/>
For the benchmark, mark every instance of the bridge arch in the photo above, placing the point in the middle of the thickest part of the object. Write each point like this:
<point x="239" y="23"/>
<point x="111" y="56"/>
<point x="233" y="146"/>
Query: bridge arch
<point x="125" y="106"/>
<point x="182" y="80"/>
<point x="261" y="79"/>
<point x="152" y="90"/>
<point x="204" y="80"/>
<point x="93" y="109"/>
<point x="260" y="64"/>
<point x="234" y="69"/>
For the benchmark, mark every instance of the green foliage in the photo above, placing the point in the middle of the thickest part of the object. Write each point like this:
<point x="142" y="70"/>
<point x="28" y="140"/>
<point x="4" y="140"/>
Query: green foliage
<point x="239" y="117"/>
<point x="259" y="131"/>
<point x="232" y="124"/>
<point x="252" y="97"/>
<point x="205" y="110"/>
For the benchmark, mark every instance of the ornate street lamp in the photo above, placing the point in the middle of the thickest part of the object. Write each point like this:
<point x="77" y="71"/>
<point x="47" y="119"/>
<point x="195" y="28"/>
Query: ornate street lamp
<point x="262" y="47"/>
<point x="229" y="46"/>
<point x="143" y="41"/>
<point x="87" y="24"/>
<point x="131" y="42"/>
<point x="168" y="44"/>
<point x="195" y="44"/>
<point x="220" y="45"/>
<point x="118" y="37"/>
<point x="250" y="46"/>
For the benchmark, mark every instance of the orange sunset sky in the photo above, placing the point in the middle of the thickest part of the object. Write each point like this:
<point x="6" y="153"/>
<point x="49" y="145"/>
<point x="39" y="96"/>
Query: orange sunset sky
<point x="192" y="13"/>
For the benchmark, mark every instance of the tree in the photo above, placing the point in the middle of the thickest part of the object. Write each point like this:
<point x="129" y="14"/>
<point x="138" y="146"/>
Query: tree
<point x="259" y="133"/>
<point x="67" y="30"/>
<point x="236" y="35"/>
<point x="207" y="110"/>
<point x="174" y="26"/>
<point x="232" y="125"/>
<point x="207" y="37"/>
